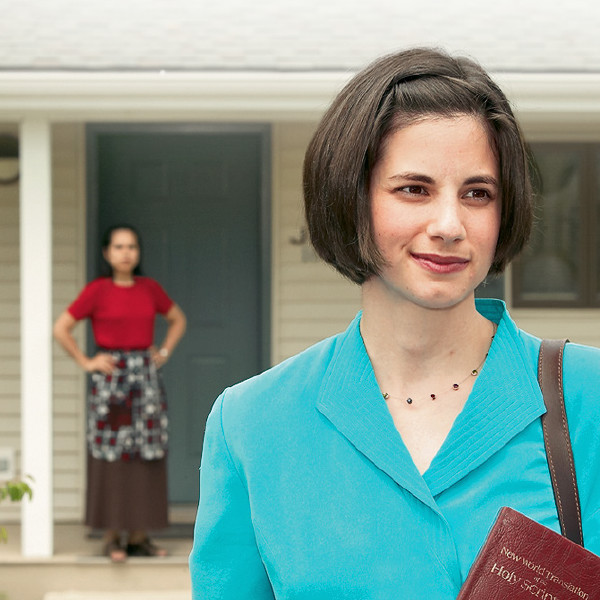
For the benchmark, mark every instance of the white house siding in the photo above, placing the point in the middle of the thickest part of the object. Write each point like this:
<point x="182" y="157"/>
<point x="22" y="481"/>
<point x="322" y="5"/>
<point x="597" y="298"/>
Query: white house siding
<point x="310" y="300"/>
<point x="68" y="272"/>
<point x="580" y="326"/>
<point x="9" y="323"/>
<point x="68" y="205"/>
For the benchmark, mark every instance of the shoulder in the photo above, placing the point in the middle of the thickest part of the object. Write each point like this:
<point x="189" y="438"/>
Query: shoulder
<point x="580" y="367"/>
<point x="89" y="298"/>
<point x="581" y="382"/>
<point x="581" y="375"/>
<point x="96" y="286"/>
<point x="99" y="283"/>
<point x="581" y="364"/>
<point x="282" y="396"/>
<point x="150" y="288"/>
<point x="292" y="375"/>
<point x="580" y="360"/>
<point x="147" y="285"/>
<point x="272" y="409"/>
<point x="147" y="282"/>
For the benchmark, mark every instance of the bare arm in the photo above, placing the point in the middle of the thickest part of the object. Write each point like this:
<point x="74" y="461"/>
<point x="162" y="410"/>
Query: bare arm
<point x="176" y="324"/>
<point x="62" y="331"/>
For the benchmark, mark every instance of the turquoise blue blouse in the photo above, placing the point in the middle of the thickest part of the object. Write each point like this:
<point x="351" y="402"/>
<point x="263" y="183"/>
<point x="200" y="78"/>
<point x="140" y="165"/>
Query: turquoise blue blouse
<point x="307" y="491"/>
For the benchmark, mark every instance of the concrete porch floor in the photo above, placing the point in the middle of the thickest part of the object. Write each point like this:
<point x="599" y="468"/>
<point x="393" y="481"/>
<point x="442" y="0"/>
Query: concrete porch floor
<point x="78" y="567"/>
<point x="73" y="541"/>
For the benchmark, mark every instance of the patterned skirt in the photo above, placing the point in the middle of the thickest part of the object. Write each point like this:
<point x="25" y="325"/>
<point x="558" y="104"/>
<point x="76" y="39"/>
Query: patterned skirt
<point x="127" y="410"/>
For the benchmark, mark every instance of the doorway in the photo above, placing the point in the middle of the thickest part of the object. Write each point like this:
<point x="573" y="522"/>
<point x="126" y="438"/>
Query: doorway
<point x="199" y="198"/>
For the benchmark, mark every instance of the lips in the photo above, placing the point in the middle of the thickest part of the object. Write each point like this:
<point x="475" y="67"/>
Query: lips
<point x="437" y="263"/>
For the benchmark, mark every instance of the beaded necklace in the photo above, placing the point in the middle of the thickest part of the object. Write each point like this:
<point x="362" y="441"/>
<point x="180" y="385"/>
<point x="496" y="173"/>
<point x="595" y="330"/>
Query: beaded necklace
<point x="455" y="386"/>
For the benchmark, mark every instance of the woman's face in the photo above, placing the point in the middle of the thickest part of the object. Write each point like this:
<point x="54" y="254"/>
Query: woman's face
<point x="123" y="252"/>
<point x="435" y="210"/>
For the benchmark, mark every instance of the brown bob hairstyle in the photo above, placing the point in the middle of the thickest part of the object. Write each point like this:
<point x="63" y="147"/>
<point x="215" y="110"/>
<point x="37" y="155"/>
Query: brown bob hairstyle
<point x="393" y="92"/>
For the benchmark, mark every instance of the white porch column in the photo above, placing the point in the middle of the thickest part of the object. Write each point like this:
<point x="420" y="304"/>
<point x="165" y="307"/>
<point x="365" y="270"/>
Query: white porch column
<point x="36" y="334"/>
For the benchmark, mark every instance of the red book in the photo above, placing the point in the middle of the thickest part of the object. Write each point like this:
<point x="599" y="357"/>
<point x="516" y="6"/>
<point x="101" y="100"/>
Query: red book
<point x="522" y="560"/>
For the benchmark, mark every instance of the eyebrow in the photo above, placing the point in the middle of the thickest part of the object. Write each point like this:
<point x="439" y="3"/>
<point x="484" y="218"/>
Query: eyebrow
<point x="482" y="179"/>
<point x="487" y="179"/>
<point x="412" y="177"/>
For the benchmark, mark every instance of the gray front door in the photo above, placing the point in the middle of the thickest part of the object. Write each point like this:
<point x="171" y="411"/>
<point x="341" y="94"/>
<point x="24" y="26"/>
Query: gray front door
<point x="197" y="199"/>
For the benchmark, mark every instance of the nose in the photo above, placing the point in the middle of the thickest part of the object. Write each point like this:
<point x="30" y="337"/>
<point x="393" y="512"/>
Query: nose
<point x="446" y="221"/>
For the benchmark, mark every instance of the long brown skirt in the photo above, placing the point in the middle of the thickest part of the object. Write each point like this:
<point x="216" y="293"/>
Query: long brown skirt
<point x="127" y="495"/>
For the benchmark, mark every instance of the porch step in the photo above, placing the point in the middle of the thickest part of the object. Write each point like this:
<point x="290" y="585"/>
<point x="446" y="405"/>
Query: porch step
<point x="77" y="571"/>
<point x="99" y="579"/>
<point x="163" y="595"/>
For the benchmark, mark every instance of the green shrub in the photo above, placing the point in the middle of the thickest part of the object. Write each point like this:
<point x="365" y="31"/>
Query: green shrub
<point x="14" y="491"/>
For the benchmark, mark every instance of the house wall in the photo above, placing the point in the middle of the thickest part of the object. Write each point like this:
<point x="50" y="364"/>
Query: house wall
<point x="68" y="276"/>
<point x="309" y="299"/>
<point x="69" y="266"/>
<point x="9" y="322"/>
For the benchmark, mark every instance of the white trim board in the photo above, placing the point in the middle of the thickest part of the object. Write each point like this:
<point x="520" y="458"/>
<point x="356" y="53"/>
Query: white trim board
<point x="251" y="96"/>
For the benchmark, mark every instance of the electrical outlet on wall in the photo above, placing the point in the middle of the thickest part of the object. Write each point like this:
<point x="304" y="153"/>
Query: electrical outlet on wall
<point x="7" y="464"/>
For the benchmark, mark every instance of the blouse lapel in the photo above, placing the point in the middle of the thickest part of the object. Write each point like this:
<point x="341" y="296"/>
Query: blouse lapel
<point x="505" y="400"/>
<point x="350" y="398"/>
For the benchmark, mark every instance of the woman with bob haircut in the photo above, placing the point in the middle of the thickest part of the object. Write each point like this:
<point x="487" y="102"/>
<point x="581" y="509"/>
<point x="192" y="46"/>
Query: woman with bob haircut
<point x="373" y="464"/>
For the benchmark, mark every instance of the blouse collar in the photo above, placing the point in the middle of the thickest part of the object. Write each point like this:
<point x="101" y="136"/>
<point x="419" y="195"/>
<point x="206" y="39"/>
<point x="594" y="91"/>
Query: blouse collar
<point x="505" y="399"/>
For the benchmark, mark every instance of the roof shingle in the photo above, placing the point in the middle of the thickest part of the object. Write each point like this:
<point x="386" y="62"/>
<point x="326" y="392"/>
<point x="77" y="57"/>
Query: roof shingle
<point x="293" y="35"/>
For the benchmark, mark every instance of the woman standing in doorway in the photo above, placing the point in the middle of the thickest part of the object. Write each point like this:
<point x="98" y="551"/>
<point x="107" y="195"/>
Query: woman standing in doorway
<point x="372" y="465"/>
<point x="127" y="418"/>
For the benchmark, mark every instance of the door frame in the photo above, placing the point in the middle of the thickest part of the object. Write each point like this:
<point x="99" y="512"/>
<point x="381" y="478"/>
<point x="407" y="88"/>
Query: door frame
<point x="265" y="234"/>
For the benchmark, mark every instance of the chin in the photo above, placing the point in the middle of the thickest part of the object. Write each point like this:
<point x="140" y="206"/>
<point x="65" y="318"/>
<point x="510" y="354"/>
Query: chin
<point x="442" y="300"/>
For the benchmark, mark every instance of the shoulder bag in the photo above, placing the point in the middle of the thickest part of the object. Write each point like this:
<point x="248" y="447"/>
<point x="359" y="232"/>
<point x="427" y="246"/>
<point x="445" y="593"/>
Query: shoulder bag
<point x="558" y="441"/>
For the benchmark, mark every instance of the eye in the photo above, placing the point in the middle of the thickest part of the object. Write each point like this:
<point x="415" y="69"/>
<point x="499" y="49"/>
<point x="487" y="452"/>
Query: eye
<point x="479" y="195"/>
<point x="413" y="190"/>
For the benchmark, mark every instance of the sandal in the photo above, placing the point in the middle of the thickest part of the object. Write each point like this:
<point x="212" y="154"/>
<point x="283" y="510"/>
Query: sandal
<point x="145" y="548"/>
<point x="115" y="552"/>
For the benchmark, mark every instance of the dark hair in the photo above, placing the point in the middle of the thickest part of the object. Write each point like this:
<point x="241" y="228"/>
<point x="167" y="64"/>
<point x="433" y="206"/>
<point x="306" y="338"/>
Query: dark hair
<point x="105" y="269"/>
<point x="393" y="92"/>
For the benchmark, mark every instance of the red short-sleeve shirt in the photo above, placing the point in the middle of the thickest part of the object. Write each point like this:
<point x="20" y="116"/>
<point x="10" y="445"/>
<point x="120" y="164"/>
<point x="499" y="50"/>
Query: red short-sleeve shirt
<point x="122" y="316"/>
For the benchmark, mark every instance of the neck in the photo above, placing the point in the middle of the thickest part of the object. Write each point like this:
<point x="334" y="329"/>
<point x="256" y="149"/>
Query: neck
<point x="412" y="347"/>
<point x="404" y="325"/>
<point x="122" y="278"/>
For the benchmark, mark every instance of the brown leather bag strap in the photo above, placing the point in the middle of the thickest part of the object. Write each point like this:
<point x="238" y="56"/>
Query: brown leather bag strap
<point x="558" y="440"/>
